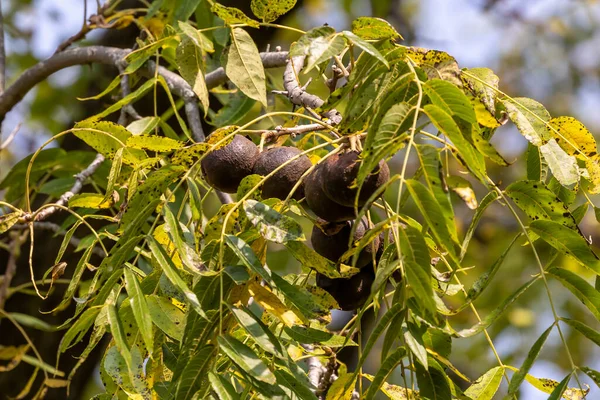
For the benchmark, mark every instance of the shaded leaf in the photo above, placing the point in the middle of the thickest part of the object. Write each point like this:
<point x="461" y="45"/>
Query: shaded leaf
<point x="166" y="316"/>
<point x="520" y="375"/>
<point x="386" y="368"/>
<point x="585" y="292"/>
<point x="245" y="358"/>
<point x="365" y="46"/>
<point x="140" y="309"/>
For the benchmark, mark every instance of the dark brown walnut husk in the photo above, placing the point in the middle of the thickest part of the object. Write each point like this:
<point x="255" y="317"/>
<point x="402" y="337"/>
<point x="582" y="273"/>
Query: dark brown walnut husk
<point x="351" y="293"/>
<point x="281" y="183"/>
<point x="340" y="173"/>
<point x="225" y="168"/>
<point x="330" y="239"/>
<point x="319" y="203"/>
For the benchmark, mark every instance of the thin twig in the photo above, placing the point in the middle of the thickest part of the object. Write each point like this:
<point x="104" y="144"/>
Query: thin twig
<point x="76" y="188"/>
<point x="11" y="265"/>
<point x="50" y="226"/>
<point x="271" y="134"/>
<point x="10" y="137"/>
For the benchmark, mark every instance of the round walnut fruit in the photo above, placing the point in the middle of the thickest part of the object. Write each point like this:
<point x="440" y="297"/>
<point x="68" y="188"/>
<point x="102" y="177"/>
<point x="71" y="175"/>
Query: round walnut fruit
<point x="331" y="239"/>
<point x="339" y="176"/>
<point x="281" y="183"/>
<point x="318" y="201"/>
<point x="351" y="293"/>
<point x="225" y="168"/>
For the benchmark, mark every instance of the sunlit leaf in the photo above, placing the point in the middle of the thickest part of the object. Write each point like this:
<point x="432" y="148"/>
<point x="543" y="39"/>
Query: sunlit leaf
<point x="365" y="46"/>
<point x="486" y="386"/>
<point x="244" y="67"/>
<point x="520" y="375"/>
<point x="245" y="358"/>
<point x="232" y="15"/>
<point x="370" y="28"/>
<point x="272" y="225"/>
<point x="270" y="10"/>
<point x="585" y="292"/>
<point x="531" y="118"/>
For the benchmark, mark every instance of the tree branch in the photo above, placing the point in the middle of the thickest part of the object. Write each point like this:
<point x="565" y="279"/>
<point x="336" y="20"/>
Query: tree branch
<point x="11" y="265"/>
<point x="298" y="94"/>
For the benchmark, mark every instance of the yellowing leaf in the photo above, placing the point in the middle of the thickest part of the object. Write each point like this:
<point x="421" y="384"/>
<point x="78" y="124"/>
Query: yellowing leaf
<point x="593" y="168"/>
<point x="272" y="304"/>
<point x="370" y="28"/>
<point x="464" y="190"/>
<point x="232" y="15"/>
<point x="8" y="220"/>
<point x="436" y="64"/>
<point x="90" y="200"/>
<point x="153" y="143"/>
<point x="482" y="82"/>
<point x="530" y="117"/>
<point x="190" y="64"/>
<point x="573" y="137"/>
<point x="270" y="10"/>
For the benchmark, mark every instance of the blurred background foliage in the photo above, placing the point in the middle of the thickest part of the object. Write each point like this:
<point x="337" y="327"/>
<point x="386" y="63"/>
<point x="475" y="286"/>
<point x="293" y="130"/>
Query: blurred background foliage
<point x="543" y="49"/>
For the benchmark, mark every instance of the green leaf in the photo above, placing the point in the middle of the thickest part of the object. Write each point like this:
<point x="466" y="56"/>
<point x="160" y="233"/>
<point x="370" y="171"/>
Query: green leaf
<point x="270" y="10"/>
<point x="414" y="342"/>
<point x="365" y="46"/>
<point x="519" y="376"/>
<point x="593" y="374"/>
<point x="308" y="335"/>
<point x="130" y="98"/>
<point x="450" y="99"/>
<point x="433" y="383"/>
<point x="386" y="368"/>
<point x="272" y="225"/>
<point x="483" y="205"/>
<point x="116" y="329"/>
<point x="370" y="28"/>
<point x="319" y="44"/>
<point x="238" y="106"/>
<point x="153" y="143"/>
<point x="106" y="138"/>
<point x="246" y="360"/>
<point x="585" y="330"/>
<point x="244" y="67"/>
<point x="558" y="391"/>
<point x="166" y="316"/>
<point x="32" y="322"/>
<point x="431" y="166"/>
<point x="469" y="156"/>
<point x="537" y="168"/>
<point x="563" y="166"/>
<point x="494" y="315"/>
<point x="421" y="285"/>
<point x="170" y="270"/>
<point x="289" y="381"/>
<point x="258" y="330"/>
<point x="247" y="256"/>
<point x="191" y="67"/>
<point x="568" y="242"/>
<point x="530" y="117"/>
<point x="483" y="83"/>
<point x="232" y="16"/>
<point x="310" y="258"/>
<point x="197" y="37"/>
<point x="186" y="252"/>
<point x="539" y="203"/>
<point x="585" y="292"/>
<point x="384" y="141"/>
<point x="140" y="309"/>
<point x="156" y="183"/>
<point x="486" y="386"/>
<point x="222" y="387"/>
<point x="431" y="211"/>
<point x="194" y="373"/>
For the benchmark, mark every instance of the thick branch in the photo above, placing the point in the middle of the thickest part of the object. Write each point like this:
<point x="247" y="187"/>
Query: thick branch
<point x="298" y="95"/>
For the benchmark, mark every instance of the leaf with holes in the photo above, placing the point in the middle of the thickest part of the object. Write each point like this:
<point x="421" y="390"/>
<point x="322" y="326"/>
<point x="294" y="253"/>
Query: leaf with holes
<point x="270" y="10"/>
<point x="232" y="15"/>
<point x="370" y="28"/>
